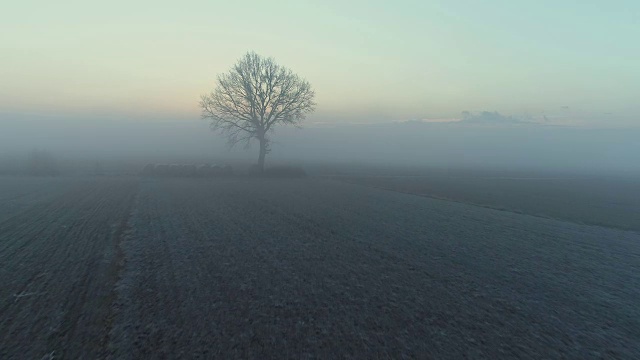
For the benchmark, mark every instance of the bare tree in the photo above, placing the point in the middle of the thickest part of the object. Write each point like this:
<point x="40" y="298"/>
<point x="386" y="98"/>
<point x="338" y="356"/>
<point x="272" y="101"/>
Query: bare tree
<point x="253" y="97"/>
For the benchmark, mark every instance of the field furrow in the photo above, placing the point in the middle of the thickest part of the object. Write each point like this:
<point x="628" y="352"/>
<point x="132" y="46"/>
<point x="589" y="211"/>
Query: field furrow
<point x="54" y="261"/>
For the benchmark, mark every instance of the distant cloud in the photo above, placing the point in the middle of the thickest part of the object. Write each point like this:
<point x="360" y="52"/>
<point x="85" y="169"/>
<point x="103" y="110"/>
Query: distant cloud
<point x="483" y="117"/>
<point x="487" y="117"/>
<point x="428" y="120"/>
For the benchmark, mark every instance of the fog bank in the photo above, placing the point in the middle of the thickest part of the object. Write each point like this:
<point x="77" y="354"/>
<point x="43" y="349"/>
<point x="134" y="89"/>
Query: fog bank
<point x="455" y="144"/>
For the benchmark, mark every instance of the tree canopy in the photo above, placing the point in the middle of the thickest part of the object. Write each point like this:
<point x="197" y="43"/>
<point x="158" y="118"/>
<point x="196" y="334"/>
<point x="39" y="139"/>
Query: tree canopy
<point x="255" y="96"/>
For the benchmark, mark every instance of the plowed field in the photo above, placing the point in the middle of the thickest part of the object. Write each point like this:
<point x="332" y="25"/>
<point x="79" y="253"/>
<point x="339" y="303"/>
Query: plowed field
<point x="129" y="268"/>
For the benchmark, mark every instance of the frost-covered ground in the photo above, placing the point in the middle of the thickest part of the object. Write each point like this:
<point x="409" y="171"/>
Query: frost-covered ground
<point x="307" y="268"/>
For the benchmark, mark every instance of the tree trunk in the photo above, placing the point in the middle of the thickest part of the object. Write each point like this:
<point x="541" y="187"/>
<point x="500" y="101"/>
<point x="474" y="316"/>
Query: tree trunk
<point x="263" y="153"/>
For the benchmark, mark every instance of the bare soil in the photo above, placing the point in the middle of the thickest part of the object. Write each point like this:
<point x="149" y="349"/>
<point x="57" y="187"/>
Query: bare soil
<point x="592" y="200"/>
<point x="125" y="268"/>
<point x="58" y="265"/>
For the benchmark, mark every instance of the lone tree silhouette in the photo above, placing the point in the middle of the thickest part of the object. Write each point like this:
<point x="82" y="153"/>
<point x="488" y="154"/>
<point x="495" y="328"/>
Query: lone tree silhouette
<point x="253" y="97"/>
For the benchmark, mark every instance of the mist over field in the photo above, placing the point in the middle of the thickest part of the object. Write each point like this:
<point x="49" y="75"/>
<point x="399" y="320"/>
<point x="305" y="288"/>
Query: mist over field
<point x="455" y="144"/>
<point x="319" y="179"/>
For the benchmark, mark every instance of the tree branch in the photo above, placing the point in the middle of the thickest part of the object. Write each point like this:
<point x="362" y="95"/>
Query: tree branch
<point x="253" y="97"/>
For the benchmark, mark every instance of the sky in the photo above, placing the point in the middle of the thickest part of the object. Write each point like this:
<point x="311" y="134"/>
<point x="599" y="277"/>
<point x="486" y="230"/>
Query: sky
<point x="369" y="61"/>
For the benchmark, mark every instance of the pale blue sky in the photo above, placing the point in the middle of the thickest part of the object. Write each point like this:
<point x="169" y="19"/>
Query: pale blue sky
<point x="368" y="60"/>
